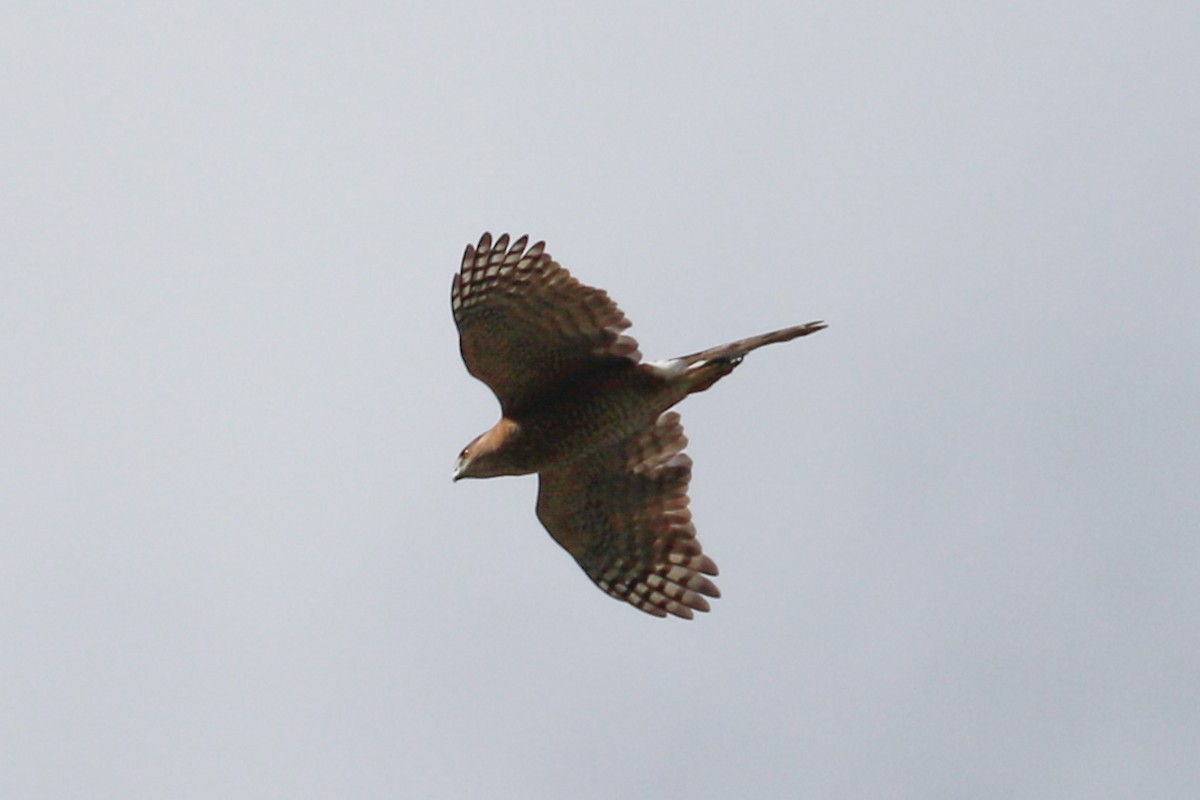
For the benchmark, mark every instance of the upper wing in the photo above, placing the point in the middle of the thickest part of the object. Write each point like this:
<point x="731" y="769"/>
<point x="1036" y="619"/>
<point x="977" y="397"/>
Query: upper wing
<point x="623" y="515"/>
<point x="525" y="324"/>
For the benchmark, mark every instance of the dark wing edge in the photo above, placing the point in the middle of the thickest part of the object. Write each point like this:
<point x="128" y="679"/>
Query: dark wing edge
<point x="624" y="516"/>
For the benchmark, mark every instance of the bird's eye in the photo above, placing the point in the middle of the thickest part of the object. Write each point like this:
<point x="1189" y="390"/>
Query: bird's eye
<point x="463" y="454"/>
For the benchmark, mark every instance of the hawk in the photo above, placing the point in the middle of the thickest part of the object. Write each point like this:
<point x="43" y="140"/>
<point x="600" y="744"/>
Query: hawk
<point x="579" y="408"/>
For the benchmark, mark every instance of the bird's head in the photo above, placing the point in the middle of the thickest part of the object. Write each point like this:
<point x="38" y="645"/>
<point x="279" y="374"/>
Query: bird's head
<point x="485" y="456"/>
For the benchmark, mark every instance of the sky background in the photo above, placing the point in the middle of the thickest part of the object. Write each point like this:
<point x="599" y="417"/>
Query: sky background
<point x="957" y="531"/>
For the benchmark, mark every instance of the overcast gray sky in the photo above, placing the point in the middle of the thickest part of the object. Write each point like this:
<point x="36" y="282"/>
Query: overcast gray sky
<point x="957" y="531"/>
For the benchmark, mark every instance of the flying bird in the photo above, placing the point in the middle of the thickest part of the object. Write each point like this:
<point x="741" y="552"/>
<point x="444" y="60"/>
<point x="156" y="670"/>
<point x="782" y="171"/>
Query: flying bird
<point x="580" y="408"/>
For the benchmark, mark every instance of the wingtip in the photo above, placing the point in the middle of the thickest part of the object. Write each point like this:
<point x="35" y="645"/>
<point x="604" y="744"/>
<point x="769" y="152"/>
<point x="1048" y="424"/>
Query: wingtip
<point x="489" y="243"/>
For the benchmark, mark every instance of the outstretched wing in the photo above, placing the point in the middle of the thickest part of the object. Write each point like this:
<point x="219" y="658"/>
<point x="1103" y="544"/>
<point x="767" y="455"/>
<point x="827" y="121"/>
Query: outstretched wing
<point x="525" y="324"/>
<point x="623" y="514"/>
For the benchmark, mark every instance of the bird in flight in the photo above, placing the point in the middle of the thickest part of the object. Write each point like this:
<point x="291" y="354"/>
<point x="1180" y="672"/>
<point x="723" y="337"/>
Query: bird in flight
<point x="580" y="408"/>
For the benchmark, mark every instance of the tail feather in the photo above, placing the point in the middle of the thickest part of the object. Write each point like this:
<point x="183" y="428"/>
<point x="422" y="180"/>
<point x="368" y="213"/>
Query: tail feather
<point x="706" y="367"/>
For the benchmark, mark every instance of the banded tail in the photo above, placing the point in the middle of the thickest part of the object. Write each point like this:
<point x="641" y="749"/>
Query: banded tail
<point x="706" y="367"/>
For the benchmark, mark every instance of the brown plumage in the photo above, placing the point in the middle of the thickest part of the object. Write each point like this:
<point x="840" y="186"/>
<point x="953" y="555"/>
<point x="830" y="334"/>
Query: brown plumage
<point x="579" y="408"/>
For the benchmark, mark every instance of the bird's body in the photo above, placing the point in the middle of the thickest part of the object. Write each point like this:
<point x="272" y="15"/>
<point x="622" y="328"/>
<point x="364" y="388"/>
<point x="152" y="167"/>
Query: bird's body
<point x="583" y="413"/>
<point x="580" y="409"/>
